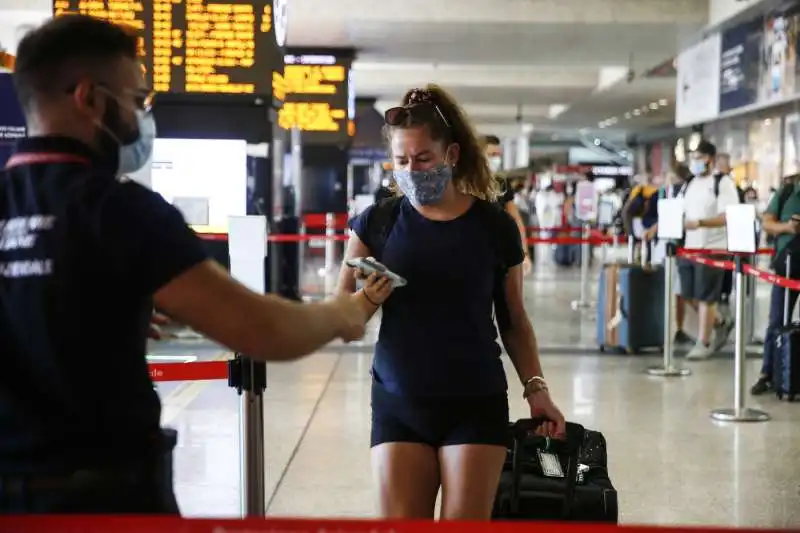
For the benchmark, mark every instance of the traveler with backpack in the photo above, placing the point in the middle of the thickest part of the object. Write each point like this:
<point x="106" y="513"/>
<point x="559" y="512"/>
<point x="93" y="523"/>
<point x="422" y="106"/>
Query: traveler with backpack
<point x="439" y="393"/>
<point x="781" y="220"/>
<point x="706" y="197"/>
<point x="493" y="153"/>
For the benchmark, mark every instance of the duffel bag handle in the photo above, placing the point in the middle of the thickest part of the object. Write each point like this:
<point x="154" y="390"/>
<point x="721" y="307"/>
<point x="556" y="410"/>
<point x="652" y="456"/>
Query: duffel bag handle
<point x="523" y="432"/>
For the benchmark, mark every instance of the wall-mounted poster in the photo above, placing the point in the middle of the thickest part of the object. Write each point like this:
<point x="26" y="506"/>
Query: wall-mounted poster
<point x="740" y="65"/>
<point x="779" y="56"/>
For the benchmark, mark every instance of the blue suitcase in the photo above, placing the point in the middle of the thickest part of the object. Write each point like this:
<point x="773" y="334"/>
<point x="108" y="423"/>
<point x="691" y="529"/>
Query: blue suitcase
<point x="630" y="308"/>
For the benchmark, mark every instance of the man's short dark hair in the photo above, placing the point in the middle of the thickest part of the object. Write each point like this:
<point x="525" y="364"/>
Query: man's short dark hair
<point x="56" y="54"/>
<point x="706" y="148"/>
<point x="491" y="139"/>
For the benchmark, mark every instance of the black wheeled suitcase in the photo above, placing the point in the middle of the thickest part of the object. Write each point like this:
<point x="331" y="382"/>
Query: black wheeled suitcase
<point x="547" y="479"/>
<point x="786" y="360"/>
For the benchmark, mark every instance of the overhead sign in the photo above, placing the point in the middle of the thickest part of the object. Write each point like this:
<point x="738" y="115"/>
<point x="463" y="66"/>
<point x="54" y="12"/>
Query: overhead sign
<point x="317" y="97"/>
<point x="697" y="98"/>
<point x="199" y="46"/>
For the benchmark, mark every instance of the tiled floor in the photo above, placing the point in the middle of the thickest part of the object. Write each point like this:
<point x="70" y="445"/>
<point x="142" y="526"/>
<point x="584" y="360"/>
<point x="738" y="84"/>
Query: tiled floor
<point x="669" y="461"/>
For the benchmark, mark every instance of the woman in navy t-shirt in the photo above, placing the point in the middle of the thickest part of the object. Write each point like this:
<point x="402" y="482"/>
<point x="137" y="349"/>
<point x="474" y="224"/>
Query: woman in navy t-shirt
<point x="439" y="396"/>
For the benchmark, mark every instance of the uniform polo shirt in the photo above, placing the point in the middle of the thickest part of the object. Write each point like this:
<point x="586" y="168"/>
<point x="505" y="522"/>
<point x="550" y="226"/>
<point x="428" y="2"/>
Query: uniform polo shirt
<point x="790" y="208"/>
<point x="81" y="254"/>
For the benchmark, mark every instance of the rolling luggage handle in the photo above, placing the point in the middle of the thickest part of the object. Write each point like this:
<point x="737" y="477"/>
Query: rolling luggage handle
<point x="523" y="431"/>
<point x="787" y="315"/>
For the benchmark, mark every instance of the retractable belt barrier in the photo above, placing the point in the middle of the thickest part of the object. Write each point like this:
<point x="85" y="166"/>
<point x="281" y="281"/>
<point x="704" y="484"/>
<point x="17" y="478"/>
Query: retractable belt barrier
<point x="121" y="524"/>
<point x="249" y="379"/>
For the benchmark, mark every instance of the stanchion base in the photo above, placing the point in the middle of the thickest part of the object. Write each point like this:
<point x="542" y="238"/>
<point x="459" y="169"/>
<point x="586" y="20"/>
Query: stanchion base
<point x="734" y="415"/>
<point x="580" y="304"/>
<point x="668" y="372"/>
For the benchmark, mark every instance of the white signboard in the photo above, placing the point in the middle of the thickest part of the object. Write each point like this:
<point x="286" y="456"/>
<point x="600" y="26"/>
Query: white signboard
<point x="697" y="94"/>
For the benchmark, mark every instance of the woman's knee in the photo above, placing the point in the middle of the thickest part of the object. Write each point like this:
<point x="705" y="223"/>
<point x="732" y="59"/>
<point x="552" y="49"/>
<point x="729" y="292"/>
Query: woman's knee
<point x="407" y="479"/>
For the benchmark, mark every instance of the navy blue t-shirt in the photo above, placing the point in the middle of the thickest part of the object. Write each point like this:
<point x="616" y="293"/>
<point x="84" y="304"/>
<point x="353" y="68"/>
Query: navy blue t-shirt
<point x="81" y="254"/>
<point x="437" y="334"/>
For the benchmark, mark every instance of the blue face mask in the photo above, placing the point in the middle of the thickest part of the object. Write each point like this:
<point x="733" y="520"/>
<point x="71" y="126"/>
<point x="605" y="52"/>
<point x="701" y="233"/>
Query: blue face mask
<point x="698" y="167"/>
<point x="134" y="156"/>
<point x="424" y="187"/>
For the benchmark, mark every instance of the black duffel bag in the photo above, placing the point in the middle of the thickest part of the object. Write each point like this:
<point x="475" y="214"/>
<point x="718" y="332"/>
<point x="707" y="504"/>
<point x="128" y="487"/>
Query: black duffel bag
<point x="548" y="479"/>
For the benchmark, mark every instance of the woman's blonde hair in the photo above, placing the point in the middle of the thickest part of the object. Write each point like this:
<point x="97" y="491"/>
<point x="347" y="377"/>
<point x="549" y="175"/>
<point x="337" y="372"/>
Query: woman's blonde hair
<point x="472" y="174"/>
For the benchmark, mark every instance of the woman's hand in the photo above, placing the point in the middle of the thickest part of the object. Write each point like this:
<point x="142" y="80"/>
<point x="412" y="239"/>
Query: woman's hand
<point x="377" y="288"/>
<point x="542" y="406"/>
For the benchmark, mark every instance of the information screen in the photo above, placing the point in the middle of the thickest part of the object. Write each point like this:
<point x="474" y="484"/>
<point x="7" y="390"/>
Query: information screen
<point x="199" y="46"/>
<point x="317" y="96"/>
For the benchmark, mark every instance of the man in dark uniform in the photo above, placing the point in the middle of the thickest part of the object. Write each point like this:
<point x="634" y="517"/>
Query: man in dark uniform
<point x="84" y="255"/>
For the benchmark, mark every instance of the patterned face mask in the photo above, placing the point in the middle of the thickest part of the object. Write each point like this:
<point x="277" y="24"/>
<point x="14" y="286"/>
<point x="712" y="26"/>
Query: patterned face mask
<point x="424" y="187"/>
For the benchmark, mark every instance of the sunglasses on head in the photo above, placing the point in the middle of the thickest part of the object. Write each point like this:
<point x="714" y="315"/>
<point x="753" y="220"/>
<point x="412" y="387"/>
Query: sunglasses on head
<point x="422" y="113"/>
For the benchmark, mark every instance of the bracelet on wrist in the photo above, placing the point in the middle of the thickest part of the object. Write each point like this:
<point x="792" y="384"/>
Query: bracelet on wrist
<point x="533" y="385"/>
<point x="367" y="298"/>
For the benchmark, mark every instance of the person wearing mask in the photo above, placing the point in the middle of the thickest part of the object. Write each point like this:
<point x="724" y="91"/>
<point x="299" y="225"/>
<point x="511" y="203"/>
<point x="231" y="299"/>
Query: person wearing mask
<point x="79" y="414"/>
<point x="781" y="220"/>
<point x="439" y="392"/>
<point x="706" y="197"/>
<point x="494" y="155"/>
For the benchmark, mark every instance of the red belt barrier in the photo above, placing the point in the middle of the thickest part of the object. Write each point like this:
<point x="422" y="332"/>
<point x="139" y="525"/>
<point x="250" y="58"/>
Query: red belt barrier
<point x="769" y="277"/>
<point x="197" y="371"/>
<point x="77" y="524"/>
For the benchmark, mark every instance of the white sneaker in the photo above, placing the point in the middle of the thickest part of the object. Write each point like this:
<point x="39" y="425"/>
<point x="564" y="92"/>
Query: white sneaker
<point x="700" y="352"/>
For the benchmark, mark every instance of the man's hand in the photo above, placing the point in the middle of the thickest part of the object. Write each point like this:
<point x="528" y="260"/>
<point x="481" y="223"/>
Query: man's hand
<point x="527" y="266"/>
<point x="691" y="224"/>
<point x="350" y="318"/>
<point x="156" y="321"/>
<point x="650" y="234"/>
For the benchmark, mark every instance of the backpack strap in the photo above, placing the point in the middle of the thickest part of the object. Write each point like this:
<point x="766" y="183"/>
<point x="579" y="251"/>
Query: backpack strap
<point x="380" y="221"/>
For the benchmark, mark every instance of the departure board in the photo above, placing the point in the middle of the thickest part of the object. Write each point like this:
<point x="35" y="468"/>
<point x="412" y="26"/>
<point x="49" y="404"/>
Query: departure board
<point x="200" y="46"/>
<point x="317" y="97"/>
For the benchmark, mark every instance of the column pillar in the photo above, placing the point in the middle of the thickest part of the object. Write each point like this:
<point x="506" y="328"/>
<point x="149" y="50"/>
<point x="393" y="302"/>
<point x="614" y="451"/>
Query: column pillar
<point x="523" y="152"/>
<point x="509" y="153"/>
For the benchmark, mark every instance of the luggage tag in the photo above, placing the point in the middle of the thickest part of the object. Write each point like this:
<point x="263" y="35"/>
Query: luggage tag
<point x="551" y="466"/>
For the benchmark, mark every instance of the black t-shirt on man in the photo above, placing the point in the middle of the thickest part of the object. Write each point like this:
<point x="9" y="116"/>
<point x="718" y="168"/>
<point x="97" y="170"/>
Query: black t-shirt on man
<point x="81" y="254"/>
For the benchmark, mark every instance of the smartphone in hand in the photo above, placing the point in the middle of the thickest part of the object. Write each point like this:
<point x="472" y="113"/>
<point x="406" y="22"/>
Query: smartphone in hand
<point x="370" y="266"/>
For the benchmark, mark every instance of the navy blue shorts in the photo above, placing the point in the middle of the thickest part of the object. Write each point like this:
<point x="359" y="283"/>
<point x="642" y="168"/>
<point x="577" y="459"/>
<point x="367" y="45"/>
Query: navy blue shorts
<point x="438" y="421"/>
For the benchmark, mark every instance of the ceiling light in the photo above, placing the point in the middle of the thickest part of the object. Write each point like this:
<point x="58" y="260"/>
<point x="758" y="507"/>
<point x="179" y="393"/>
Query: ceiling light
<point x="654" y="105"/>
<point x="627" y="115"/>
<point x="636" y="112"/>
<point x="663" y="102"/>
<point x="597" y="142"/>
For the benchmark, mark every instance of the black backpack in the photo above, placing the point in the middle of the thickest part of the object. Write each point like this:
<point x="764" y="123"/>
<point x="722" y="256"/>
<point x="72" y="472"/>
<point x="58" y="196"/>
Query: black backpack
<point x="381" y="219"/>
<point x="717" y="179"/>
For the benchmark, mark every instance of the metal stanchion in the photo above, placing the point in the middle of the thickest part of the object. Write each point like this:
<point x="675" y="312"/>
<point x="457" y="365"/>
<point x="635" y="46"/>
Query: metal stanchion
<point x="669" y="369"/>
<point x="631" y="249"/>
<point x="330" y="252"/>
<point x="739" y="412"/>
<point x="586" y="251"/>
<point x="249" y="378"/>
